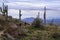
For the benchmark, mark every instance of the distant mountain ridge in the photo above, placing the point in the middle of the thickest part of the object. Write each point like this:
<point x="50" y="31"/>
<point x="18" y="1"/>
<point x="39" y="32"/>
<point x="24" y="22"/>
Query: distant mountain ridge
<point x="28" y="20"/>
<point x="55" y="21"/>
<point x="31" y="19"/>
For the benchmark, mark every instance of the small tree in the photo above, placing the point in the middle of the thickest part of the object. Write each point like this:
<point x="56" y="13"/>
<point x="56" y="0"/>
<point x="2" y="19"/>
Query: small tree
<point x="37" y="23"/>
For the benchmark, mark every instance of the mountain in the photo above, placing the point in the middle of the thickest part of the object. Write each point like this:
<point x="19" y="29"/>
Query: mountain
<point x="55" y="21"/>
<point x="28" y="20"/>
<point x="31" y="19"/>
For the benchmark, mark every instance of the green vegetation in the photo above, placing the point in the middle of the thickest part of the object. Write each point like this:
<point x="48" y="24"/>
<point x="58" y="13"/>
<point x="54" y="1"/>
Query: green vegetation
<point x="37" y="23"/>
<point x="14" y="29"/>
<point x="36" y="31"/>
<point x="33" y="33"/>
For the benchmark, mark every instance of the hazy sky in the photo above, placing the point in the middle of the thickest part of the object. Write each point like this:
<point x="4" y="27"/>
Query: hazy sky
<point x="30" y="8"/>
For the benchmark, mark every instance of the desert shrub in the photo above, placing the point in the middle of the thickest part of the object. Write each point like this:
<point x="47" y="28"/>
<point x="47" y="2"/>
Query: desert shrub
<point x="37" y="23"/>
<point x="56" y="35"/>
<point x="5" y="37"/>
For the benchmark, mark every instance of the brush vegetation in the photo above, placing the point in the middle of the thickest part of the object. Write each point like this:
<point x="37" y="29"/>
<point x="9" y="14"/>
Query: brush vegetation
<point x="36" y="31"/>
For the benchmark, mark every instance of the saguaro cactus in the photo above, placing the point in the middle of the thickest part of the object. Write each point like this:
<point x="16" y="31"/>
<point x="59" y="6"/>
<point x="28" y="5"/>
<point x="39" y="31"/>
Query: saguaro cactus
<point x="6" y="11"/>
<point x="38" y="14"/>
<point x="3" y="9"/>
<point x="45" y="15"/>
<point x="20" y="16"/>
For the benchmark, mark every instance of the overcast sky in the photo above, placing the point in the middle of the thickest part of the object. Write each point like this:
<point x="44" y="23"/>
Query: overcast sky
<point x="30" y="8"/>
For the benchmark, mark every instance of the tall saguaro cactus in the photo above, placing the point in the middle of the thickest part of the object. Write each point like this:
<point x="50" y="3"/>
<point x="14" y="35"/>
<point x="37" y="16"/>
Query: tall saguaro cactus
<point x="3" y="9"/>
<point x="20" y="16"/>
<point x="45" y="15"/>
<point x="38" y="14"/>
<point x="6" y="11"/>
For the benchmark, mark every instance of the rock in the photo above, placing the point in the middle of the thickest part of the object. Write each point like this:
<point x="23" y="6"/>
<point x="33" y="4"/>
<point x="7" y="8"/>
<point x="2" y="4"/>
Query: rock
<point x="12" y="25"/>
<point x="2" y="17"/>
